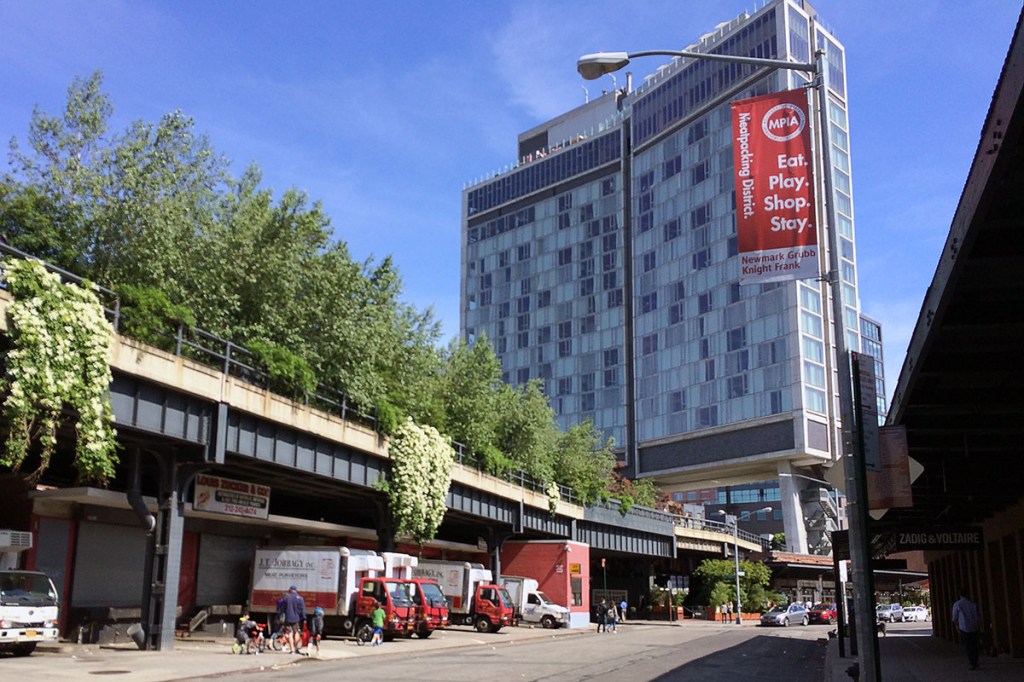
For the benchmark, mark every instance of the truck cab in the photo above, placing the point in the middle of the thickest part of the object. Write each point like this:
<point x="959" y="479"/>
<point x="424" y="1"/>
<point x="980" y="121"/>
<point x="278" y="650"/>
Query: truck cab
<point x="431" y="606"/>
<point x="394" y="597"/>
<point x="28" y="611"/>
<point x="492" y="608"/>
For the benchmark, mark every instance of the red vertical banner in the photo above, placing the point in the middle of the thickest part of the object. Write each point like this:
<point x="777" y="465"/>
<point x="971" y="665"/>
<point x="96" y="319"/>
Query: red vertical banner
<point x="775" y="213"/>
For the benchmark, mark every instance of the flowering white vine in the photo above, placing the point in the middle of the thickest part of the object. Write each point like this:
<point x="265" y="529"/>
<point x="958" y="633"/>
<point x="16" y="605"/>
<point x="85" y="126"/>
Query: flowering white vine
<point x="421" y="473"/>
<point x="553" y="497"/>
<point x="60" y="342"/>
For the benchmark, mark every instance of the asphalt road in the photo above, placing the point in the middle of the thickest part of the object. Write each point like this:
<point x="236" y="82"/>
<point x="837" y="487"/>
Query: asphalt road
<point x="636" y="653"/>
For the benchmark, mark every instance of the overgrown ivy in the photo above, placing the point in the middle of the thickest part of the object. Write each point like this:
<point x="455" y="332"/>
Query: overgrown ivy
<point x="59" y="357"/>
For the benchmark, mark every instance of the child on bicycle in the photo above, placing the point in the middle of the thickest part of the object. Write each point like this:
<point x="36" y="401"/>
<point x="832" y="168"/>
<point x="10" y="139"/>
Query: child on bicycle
<point x="247" y="637"/>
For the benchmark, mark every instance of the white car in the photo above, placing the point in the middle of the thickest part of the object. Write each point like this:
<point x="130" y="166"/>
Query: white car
<point x="915" y="613"/>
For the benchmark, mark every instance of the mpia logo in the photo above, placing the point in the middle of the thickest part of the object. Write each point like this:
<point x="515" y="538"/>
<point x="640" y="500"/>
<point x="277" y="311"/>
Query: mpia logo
<point x="783" y="122"/>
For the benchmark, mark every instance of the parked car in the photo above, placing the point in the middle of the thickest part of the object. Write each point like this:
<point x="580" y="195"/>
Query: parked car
<point x="784" y="615"/>
<point x="889" y="613"/>
<point x="915" y="613"/>
<point x="822" y="613"/>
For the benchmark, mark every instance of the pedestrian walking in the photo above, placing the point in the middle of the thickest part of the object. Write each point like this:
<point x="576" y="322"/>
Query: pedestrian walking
<point x="622" y="611"/>
<point x="602" y="616"/>
<point x="294" y="615"/>
<point x="377" y="620"/>
<point x="316" y="629"/>
<point x="965" y="616"/>
<point x="725" y="617"/>
<point x="728" y="612"/>
<point x="613" y="617"/>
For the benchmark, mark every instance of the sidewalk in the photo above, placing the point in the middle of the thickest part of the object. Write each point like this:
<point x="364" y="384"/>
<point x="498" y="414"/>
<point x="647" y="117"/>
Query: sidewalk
<point x="202" y="657"/>
<point x="913" y="654"/>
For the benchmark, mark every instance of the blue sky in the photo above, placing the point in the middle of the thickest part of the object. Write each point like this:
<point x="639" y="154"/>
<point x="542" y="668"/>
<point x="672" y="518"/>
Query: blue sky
<point x="384" y="110"/>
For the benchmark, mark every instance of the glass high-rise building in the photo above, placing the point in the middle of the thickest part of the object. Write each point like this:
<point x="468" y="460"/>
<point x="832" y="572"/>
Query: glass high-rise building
<point x="605" y="263"/>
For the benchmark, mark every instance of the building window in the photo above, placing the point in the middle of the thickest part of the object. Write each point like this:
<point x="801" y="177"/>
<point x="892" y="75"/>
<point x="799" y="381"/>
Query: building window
<point x="565" y="348"/>
<point x="704" y="302"/>
<point x="738" y="386"/>
<point x="588" y="324"/>
<point x="672" y="230"/>
<point x="645" y="222"/>
<point x="610" y="280"/>
<point x="736" y="338"/>
<point x="523" y="340"/>
<point x="649" y="344"/>
<point x="701" y="259"/>
<point x="700" y="172"/>
<point x="614" y="299"/>
<point x="649" y="302"/>
<point x="673" y="166"/>
<point x="649" y="260"/>
<point x="700" y="216"/>
<point x="707" y="416"/>
<point x="544" y="298"/>
<point x="609" y="242"/>
<point x="523" y="252"/>
<point x="587" y="286"/>
<point x="676" y="401"/>
<point x="523" y="375"/>
<point x="607" y="186"/>
<point x="611" y="357"/>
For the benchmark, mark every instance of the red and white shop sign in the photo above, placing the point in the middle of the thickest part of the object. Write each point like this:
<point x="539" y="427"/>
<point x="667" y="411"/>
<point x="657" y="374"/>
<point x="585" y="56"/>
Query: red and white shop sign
<point x="775" y="212"/>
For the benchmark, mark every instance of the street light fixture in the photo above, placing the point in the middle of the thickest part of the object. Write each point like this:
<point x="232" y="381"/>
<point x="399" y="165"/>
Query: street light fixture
<point x="732" y="520"/>
<point x="595" y="65"/>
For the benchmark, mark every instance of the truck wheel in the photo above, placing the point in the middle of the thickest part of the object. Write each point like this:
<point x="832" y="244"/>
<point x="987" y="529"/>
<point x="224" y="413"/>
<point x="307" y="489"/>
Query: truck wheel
<point x="547" y="622"/>
<point x="23" y="648"/>
<point x="424" y="632"/>
<point x="483" y="625"/>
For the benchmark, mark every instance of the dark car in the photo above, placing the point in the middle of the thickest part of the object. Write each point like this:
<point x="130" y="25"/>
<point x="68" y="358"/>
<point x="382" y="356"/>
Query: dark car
<point x="822" y="613"/>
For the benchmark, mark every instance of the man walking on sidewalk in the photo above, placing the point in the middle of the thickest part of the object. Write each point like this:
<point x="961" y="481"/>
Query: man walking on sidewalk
<point x="965" y="615"/>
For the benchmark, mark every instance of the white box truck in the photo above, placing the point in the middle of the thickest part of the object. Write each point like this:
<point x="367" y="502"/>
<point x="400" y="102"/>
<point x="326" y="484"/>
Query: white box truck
<point x="532" y="605"/>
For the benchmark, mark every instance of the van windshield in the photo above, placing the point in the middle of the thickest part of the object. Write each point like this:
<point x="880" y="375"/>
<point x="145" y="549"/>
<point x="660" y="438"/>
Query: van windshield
<point x="543" y="597"/>
<point x="24" y="588"/>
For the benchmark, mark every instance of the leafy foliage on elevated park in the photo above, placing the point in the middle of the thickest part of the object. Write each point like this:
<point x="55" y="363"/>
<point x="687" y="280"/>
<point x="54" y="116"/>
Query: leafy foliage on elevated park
<point x="153" y="213"/>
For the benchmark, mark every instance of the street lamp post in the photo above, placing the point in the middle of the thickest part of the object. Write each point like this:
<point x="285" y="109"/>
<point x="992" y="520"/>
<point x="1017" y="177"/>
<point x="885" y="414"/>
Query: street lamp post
<point x="595" y="65"/>
<point x="732" y="520"/>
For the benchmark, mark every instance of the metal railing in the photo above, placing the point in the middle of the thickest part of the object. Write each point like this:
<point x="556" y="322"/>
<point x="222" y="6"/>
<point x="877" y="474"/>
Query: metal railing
<point x="698" y="523"/>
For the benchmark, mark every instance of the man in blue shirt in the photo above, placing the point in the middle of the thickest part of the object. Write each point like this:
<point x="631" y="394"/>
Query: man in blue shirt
<point x="965" y="615"/>
<point x="294" y="615"/>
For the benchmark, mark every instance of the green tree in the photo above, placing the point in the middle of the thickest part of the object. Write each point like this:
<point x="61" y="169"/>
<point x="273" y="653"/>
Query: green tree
<point x="526" y="432"/>
<point x="584" y="462"/>
<point x="469" y="388"/>
<point x="714" y="577"/>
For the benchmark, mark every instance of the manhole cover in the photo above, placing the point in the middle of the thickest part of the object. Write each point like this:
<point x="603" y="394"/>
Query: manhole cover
<point x="110" y="672"/>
